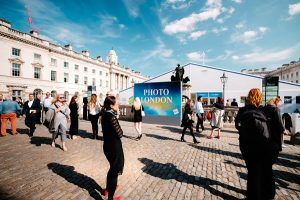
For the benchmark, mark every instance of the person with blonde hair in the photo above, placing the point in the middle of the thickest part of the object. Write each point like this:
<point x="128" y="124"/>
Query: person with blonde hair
<point x="256" y="147"/>
<point x="61" y="119"/>
<point x="94" y="114"/>
<point x="137" y="109"/>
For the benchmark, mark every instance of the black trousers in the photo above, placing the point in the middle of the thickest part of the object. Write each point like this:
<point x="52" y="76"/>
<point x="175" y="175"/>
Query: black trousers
<point x="200" y="122"/>
<point x="261" y="182"/>
<point x="74" y="125"/>
<point x="111" y="183"/>
<point x="191" y="130"/>
<point x="30" y="122"/>
<point x="94" y="121"/>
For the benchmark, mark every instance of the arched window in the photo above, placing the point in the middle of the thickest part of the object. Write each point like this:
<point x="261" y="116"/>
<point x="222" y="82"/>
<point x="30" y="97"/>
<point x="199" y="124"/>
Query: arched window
<point x="53" y="93"/>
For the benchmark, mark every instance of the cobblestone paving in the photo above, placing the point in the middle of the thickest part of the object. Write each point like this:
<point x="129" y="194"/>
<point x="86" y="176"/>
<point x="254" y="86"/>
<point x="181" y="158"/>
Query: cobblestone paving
<point x="158" y="166"/>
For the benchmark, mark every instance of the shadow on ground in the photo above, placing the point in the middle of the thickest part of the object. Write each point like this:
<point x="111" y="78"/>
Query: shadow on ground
<point x="85" y="134"/>
<point x="169" y="171"/>
<point x="68" y="172"/>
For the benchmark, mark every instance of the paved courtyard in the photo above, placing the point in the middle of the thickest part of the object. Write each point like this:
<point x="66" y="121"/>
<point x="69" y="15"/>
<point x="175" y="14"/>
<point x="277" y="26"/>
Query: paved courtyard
<point x="158" y="166"/>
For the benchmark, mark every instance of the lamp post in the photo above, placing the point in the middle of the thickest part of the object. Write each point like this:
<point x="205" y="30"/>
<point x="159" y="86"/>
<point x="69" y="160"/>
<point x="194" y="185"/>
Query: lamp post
<point x="223" y="81"/>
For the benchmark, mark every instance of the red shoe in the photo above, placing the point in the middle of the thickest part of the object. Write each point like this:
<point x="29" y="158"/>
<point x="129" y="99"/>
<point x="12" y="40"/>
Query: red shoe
<point x="209" y="137"/>
<point x="105" y="191"/>
<point x="117" y="198"/>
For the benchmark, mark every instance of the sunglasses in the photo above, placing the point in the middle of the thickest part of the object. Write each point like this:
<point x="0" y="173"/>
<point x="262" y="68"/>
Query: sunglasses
<point x="61" y="97"/>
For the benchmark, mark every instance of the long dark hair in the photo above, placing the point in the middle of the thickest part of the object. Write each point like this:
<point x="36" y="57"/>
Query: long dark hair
<point x="73" y="99"/>
<point x="110" y="100"/>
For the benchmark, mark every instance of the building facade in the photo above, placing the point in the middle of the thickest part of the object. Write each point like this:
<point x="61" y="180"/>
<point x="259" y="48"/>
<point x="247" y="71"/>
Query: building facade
<point x="287" y="72"/>
<point x="30" y="64"/>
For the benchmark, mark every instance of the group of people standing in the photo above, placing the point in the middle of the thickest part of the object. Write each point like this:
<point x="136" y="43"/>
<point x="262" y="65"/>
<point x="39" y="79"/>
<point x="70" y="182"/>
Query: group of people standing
<point x="260" y="135"/>
<point x="57" y="115"/>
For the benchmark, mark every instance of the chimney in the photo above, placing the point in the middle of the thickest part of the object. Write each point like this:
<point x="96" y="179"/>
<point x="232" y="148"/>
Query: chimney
<point x="243" y="70"/>
<point x="5" y="23"/>
<point x="69" y="47"/>
<point x="263" y="69"/>
<point x="99" y="58"/>
<point x="85" y="53"/>
<point x="34" y="33"/>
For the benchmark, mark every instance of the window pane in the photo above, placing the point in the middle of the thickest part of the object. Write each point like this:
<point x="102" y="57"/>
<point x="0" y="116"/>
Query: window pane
<point x="16" y="69"/>
<point x="66" y="64"/>
<point x="53" y="62"/>
<point x="16" y="52"/>
<point x="66" y="77"/>
<point x="76" y="67"/>
<point x="53" y="75"/>
<point x="76" y="78"/>
<point x="37" y="72"/>
<point x="37" y="57"/>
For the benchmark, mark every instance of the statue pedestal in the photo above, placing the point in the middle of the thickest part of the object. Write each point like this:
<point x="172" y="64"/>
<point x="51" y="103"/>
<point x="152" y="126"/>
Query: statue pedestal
<point x="186" y="89"/>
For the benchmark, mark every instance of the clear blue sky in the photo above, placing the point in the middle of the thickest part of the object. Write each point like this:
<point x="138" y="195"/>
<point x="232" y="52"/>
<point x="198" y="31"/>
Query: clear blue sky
<point x="152" y="36"/>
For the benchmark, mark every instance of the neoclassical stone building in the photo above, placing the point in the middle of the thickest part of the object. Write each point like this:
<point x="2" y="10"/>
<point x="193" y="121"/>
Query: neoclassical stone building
<point x="31" y="64"/>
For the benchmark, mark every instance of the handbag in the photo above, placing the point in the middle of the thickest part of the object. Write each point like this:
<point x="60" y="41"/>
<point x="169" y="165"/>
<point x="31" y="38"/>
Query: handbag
<point x="143" y="112"/>
<point x="209" y="115"/>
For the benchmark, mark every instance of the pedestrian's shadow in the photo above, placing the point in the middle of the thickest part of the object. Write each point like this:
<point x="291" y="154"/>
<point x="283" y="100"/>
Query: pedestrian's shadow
<point x="85" y="134"/>
<point x="23" y="131"/>
<point x="169" y="171"/>
<point x="68" y="172"/>
<point x="38" y="141"/>
<point x="130" y="137"/>
<point x="159" y="137"/>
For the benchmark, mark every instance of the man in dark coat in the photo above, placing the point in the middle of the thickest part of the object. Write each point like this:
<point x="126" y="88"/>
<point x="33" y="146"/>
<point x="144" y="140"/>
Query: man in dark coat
<point x="31" y="110"/>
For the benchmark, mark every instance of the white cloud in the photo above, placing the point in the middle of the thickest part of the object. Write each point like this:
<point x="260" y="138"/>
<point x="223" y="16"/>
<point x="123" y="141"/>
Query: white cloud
<point x="249" y="36"/>
<point x="237" y="1"/>
<point x="262" y="56"/>
<point x="222" y="29"/>
<point x="240" y="25"/>
<point x="132" y="7"/>
<point x="231" y="10"/>
<point x="294" y="9"/>
<point x="195" y="56"/>
<point x="188" y="24"/>
<point x="197" y="34"/>
<point x="175" y="1"/>
<point x="212" y="9"/>
<point x="263" y="29"/>
<point x="220" y="20"/>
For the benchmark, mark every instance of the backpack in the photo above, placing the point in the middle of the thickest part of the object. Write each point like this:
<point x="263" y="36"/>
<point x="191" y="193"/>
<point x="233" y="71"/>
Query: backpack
<point x="253" y="126"/>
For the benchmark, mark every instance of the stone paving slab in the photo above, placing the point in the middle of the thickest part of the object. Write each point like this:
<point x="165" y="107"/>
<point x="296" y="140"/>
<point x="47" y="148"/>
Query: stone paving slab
<point x="158" y="166"/>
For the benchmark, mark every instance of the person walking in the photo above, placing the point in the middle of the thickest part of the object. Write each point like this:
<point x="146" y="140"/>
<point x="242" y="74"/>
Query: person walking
<point x="30" y="111"/>
<point x="187" y="121"/>
<point x="94" y="114"/>
<point x="46" y="105"/>
<point x="73" y="106"/>
<point x="112" y="146"/>
<point x="199" y="114"/>
<point x="137" y="109"/>
<point x="216" y="120"/>
<point x="61" y="119"/>
<point x="9" y="110"/>
<point x="277" y="130"/>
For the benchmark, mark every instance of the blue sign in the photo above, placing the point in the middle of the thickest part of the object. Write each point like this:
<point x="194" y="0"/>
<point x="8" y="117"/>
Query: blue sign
<point x="209" y="94"/>
<point x="161" y="101"/>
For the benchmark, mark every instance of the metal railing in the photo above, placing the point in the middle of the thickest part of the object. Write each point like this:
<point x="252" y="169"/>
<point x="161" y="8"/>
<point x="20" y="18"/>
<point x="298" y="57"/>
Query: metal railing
<point x="228" y="116"/>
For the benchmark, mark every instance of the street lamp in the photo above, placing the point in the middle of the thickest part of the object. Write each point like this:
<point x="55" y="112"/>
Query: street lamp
<point x="223" y="81"/>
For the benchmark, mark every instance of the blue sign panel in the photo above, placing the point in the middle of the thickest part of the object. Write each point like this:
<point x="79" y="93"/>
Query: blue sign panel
<point x="161" y="101"/>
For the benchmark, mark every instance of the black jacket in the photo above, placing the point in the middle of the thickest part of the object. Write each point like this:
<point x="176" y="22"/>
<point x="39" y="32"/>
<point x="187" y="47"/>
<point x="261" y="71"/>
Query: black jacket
<point x="275" y="125"/>
<point x="112" y="145"/>
<point x="36" y="105"/>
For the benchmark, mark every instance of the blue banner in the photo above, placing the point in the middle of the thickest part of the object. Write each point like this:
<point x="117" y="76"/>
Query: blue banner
<point x="161" y="101"/>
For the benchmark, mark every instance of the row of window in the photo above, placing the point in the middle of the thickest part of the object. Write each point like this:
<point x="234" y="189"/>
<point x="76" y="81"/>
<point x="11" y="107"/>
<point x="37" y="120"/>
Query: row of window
<point x="292" y="75"/>
<point x="38" y="57"/>
<point x="16" y="68"/>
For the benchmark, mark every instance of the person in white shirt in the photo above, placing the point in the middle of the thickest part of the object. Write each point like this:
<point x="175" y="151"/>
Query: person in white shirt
<point x="47" y="102"/>
<point x="199" y="113"/>
<point x="94" y="114"/>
